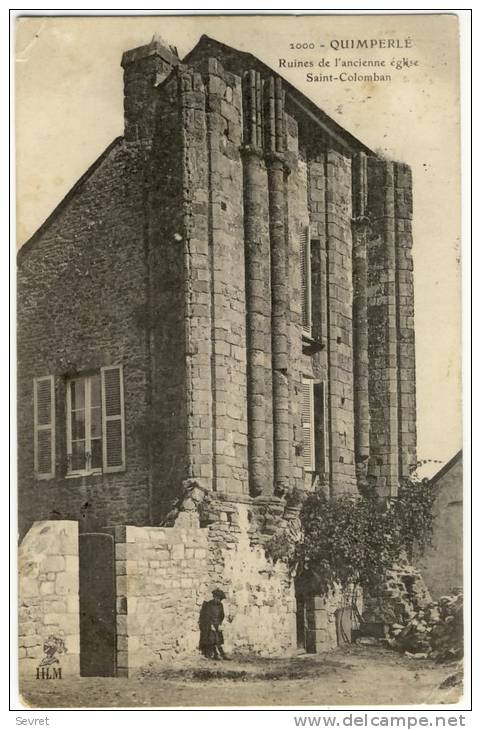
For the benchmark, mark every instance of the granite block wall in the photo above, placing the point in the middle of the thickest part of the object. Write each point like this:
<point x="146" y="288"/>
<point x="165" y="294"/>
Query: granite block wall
<point x="301" y="365"/>
<point x="161" y="578"/>
<point x="82" y="301"/>
<point x="261" y="600"/>
<point x="405" y="319"/>
<point x="165" y="573"/>
<point x="226" y="243"/>
<point x="383" y="386"/>
<point x="316" y="201"/>
<point x="48" y="597"/>
<point x="390" y="309"/>
<point x="360" y="324"/>
<point x="144" y="68"/>
<point x="258" y="291"/>
<point x="178" y="284"/>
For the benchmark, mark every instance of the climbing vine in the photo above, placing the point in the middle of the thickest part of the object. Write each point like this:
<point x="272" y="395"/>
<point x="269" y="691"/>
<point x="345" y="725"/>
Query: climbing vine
<point x="413" y="510"/>
<point x="352" y="541"/>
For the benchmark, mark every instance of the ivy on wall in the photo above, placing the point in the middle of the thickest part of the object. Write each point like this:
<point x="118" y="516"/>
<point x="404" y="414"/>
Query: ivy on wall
<point x="352" y="541"/>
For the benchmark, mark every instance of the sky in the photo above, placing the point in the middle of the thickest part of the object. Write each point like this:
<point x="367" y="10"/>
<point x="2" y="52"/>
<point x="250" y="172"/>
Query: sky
<point x="69" y="107"/>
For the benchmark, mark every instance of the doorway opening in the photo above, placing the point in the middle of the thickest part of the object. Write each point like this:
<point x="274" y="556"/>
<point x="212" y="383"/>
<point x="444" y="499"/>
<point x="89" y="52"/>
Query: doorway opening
<point x="97" y="598"/>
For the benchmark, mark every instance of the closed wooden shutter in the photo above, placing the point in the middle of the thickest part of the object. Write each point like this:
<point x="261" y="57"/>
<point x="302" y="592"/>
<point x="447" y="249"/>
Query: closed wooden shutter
<point x="113" y="422"/>
<point x="305" y="261"/>
<point x="44" y="427"/>
<point x="308" y="449"/>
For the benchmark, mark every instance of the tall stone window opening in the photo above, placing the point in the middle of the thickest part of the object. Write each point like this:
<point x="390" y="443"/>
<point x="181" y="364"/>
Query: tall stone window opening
<point x="95" y="422"/>
<point x="321" y="429"/>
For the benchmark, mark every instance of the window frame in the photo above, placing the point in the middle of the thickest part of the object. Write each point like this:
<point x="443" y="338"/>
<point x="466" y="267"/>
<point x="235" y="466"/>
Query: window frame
<point x="86" y="378"/>
<point x="321" y="430"/>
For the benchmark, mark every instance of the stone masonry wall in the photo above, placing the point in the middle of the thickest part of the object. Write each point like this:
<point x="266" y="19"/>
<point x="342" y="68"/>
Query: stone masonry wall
<point x="161" y="578"/>
<point x="442" y="564"/>
<point x="330" y="209"/>
<point x="316" y="200"/>
<point x="165" y="573"/>
<point x="258" y="291"/>
<point x="144" y="68"/>
<point x="226" y="242"/>
<point x="390" y="309"/>
<point x="321" y="633"/>
<point x="360" y="233"/>
<point x="261" y="602"/>
<point x="168" y="307"/>
<point x="339" y="246"/>
<point x="197" y="251"/>
<point x="82" y="301"/>
<point x="300" y="365"/>
<point x="48" y="596"/>
<point x="382" y="316"/>
<point x="405" y="319"/>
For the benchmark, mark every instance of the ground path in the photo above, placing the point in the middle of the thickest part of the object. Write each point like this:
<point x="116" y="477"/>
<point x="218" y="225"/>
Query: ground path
<point x="365" y="676"/>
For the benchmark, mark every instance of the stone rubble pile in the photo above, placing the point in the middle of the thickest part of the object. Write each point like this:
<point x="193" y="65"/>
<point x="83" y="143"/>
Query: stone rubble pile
<point x="405" y="617"/>
<point x="398" y="599"/>
<point x="435" y="631"/>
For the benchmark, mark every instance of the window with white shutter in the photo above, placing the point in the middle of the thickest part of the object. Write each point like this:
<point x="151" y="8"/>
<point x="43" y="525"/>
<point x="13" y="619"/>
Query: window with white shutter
<point x="306" y="286"/>
<point x="308" y="447"/>
<point x="113" y="426"/>
<point x="44" y="427"/>
<point x="95" y="422"/>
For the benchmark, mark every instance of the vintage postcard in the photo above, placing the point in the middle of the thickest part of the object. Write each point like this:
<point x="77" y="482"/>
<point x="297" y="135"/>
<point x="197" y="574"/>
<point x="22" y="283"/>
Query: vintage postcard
<point x="240" y="473"/>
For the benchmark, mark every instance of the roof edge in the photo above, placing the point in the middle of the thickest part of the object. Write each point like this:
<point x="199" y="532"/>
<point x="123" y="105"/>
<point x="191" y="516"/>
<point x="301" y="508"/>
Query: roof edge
<point x="66" y="199"/>
<point x="444" y="469"/>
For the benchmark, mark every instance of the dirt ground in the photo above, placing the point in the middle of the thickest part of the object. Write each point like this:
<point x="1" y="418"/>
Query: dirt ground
<point x="350" y="676"/>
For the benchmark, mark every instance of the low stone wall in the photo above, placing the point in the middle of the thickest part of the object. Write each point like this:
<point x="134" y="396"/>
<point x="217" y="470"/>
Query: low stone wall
<point x="260" y="605"/>
<point x="48" y="597"/>
<point x="165" y="573"/>
<point x="162" y="579"/>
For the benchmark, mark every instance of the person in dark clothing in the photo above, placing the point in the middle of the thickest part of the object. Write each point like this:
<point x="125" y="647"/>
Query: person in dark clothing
<point x="210" y="622"/>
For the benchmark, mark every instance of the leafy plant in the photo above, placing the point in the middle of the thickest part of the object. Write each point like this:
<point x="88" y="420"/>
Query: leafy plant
<point x="352" y="541"/>
<point x="413" y="511"/>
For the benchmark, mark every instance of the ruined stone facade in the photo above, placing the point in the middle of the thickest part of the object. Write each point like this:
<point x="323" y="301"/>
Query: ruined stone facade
<point x="224" y="301"/>
<point x="442" y="563"/>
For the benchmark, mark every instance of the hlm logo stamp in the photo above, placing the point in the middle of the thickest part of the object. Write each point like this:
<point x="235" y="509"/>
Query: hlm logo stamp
<point x="51" y="648"/>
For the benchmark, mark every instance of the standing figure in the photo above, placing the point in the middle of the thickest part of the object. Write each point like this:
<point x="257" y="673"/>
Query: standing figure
<point x="210" y="621"/>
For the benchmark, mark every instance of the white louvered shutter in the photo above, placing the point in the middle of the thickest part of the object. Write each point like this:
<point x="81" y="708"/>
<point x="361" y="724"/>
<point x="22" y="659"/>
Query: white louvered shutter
<point x="44" y="427"/>
<point x="305" y="260"/>
<point x="113" y="422"/>
<point x="308" y="449"/>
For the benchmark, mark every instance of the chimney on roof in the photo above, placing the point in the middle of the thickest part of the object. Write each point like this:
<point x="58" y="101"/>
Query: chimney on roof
<point x="144" y="69"/>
